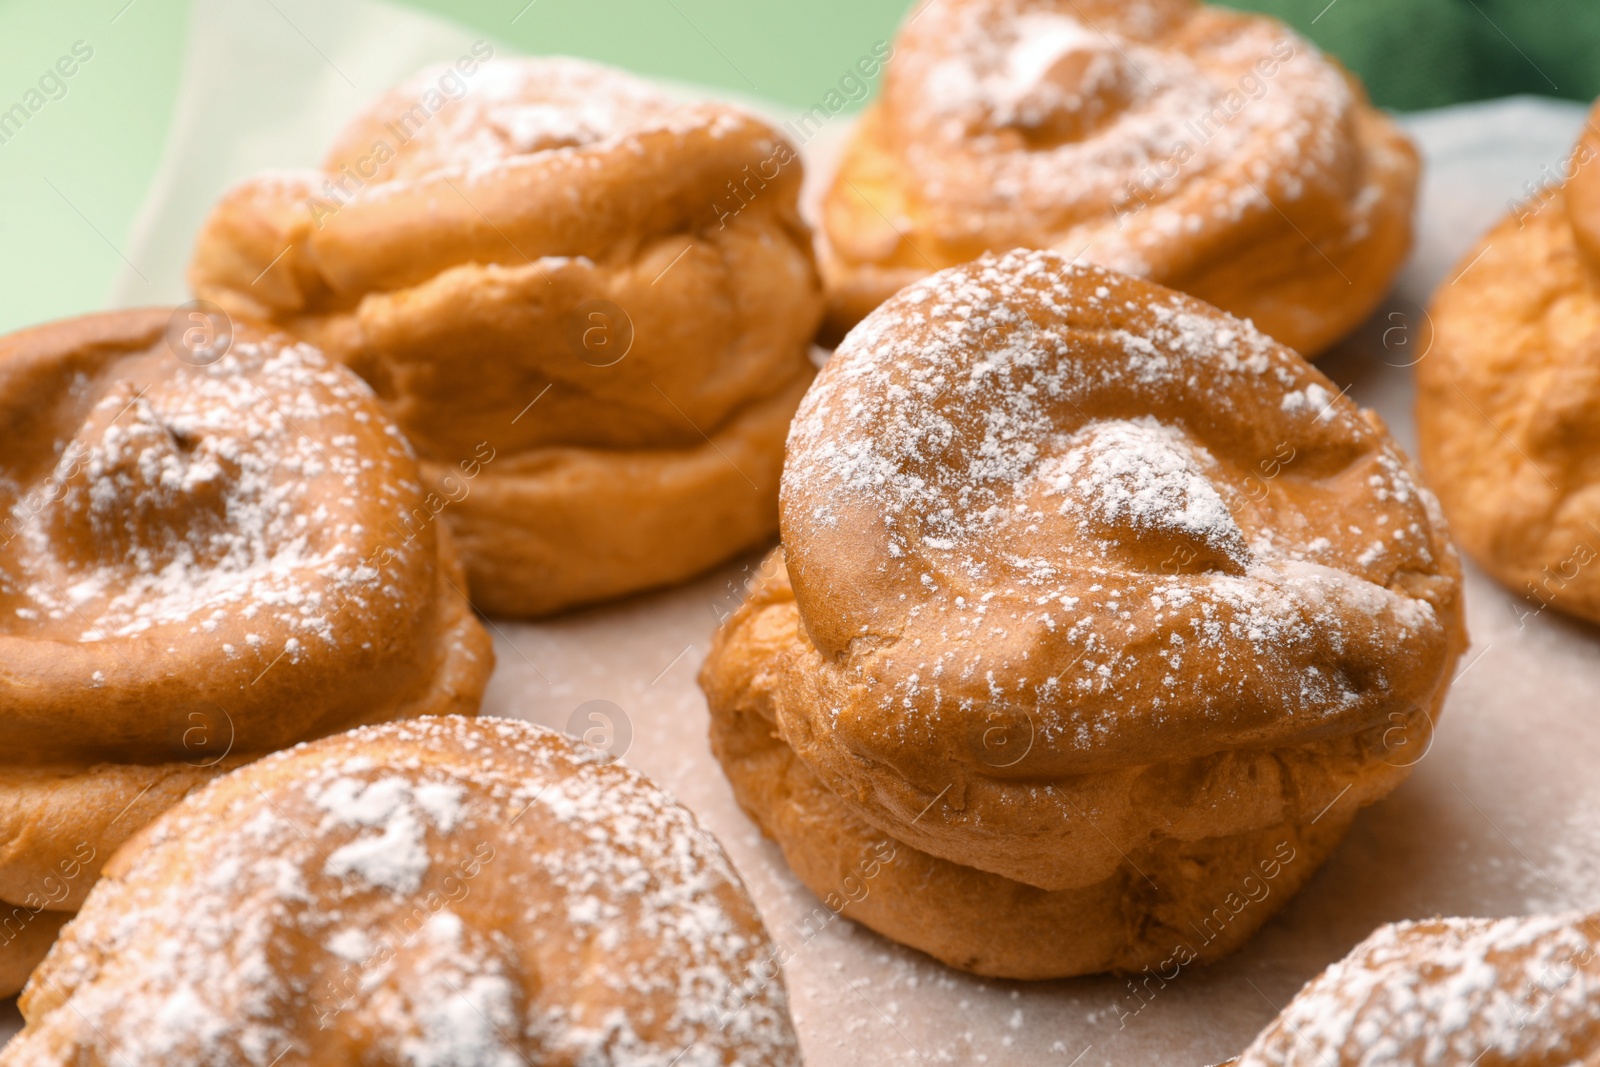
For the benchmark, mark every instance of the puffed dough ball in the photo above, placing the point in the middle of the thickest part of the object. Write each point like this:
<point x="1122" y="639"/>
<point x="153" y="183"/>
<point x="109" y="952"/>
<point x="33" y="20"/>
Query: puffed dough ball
<point x="1091" y="598"/>
<point x="1209" y="150"/>
<point x="1508" y="397"/>
<point x="197" y="568"/>
<point x="445" y="892"/>
<point x="1521" y="992"/>
<point x="589" y="305"/>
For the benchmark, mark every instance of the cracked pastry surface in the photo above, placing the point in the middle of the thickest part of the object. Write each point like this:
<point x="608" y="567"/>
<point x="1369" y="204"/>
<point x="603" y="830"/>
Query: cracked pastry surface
<point x="1077" y="569"/>
<point x="438" y="891"/>
<point x="589" y="305"/>
<point x="1518" y="992"/>
<point x="1211" y="151"/>
<point x="1508" y="396"/>
<point x="197" y="567"/>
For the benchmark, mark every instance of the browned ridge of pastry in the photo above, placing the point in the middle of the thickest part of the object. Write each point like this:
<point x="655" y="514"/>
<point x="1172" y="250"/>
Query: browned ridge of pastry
<point x="443" y="892"/>
<point x="1211" y="151"/>
<point x="1093" y="598"/>
<point x="198" y="565"/>
<point x="1508" y="396"/>
<point x="1519" y="992"/>
<point x="588" y="305"/>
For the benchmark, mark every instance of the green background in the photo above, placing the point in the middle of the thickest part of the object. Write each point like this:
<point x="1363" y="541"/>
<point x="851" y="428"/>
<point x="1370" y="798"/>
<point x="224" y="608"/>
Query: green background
<point x="72" y="180"/>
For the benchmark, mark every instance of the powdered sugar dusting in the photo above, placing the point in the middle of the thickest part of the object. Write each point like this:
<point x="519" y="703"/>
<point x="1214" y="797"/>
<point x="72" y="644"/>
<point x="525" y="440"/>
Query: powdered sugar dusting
<point x="1118" y="128"/>
<point x="395" y="857"/>
<point x="1053" y="464"/>
<point x="201" y="501"/>
<point x="464" y="1008"/>
<point x="488" y="895"/>
<point x="523" y="107"/>
<point x="1448" y="993"/>
<point x="1141" y="474"/>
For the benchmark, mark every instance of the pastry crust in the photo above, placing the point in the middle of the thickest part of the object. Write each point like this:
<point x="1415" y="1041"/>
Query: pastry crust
<point x="589" y="306"/>
<point x="1080" y="571"/>
<point x="25" y="939"/>
<point x="1147" y="913"/>
<point x="1508" y="397"/>
<point x="1522" y="992"/>
<point x="197" y="568"/>
<point x="667" y="512"/>
<point x="1211" y="151"/>
<point x="441" y="891"/>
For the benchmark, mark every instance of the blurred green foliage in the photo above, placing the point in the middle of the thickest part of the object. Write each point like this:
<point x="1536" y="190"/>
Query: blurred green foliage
<point x="1411" y="53"/>
<point x="1428" y="53"/>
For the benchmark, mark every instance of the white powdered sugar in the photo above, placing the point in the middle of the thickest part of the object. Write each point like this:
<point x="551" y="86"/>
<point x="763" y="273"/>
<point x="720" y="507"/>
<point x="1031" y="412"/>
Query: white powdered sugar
<point x="555" y="102"/>
<point x="464" y="1009"/>
<point x="1448" y="993"/>
<point x="523" y="107"/>
<point x="1017" y="87"/>
<point x="1121" y="132"/>
<point x="442" y="892"/>
<point x="1139" y="473"/>
<point x="991" y="438"/>
<point x="223" y="496"/>
<point x="396" y="856"/>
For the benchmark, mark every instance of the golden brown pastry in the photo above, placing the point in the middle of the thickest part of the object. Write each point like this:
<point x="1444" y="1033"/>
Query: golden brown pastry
<point x="198" y="565"/>
<point x="588" y="305"/>
<point x="1207" y="150"/>
<point x="1508" y="397"/>
<point x="441" y="893"/>
<point x="1519" y="992"/>
<point x="26" y="938"/>
<point x="1091" y="597"/>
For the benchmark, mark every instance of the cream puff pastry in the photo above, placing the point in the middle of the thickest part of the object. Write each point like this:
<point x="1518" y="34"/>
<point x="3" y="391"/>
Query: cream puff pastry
<point x="1211" y="151"/>
<point x="198" y="565"/>
<point x="1521" y="992"/>
<point x="1508" y="396"/>
<point x="1091" y="598"/>
<point x="597" y="300"/>
<point x="443" y="892"/>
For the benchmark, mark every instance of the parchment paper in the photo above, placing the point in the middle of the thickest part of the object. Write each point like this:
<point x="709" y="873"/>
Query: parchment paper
<point x="1500" y="817"/>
